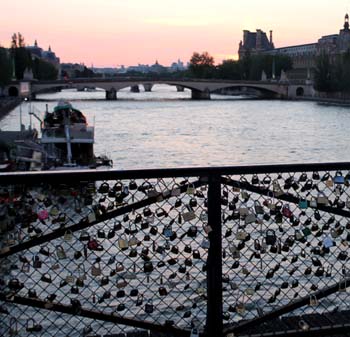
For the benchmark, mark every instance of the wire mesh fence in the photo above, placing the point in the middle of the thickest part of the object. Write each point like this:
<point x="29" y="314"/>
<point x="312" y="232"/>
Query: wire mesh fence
<point x="176" y="252"/>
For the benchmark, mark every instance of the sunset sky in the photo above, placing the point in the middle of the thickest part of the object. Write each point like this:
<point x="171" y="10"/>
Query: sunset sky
<point x="128" y="32"/>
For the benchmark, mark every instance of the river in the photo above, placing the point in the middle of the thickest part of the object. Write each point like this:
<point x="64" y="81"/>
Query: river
<point x="165" y="128"/>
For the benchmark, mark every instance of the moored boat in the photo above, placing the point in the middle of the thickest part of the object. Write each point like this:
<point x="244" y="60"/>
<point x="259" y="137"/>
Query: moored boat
<point x="66" y="142"/>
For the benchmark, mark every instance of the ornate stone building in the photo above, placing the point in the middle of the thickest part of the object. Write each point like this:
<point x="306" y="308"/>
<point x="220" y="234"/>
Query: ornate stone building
<point x="304" y="55"/>
<point x="255" y="43"/>
<point x="46" y="55"/>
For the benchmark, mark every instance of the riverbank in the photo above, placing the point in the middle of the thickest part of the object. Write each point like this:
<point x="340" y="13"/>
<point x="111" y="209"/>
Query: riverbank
<point x="7" y="104"/>
<point x="327" y="101"/>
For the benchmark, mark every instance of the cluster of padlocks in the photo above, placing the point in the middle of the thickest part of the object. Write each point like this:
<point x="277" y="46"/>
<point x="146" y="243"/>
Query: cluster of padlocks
<point x="148" y="263"/>
<point x="137" y="249"/>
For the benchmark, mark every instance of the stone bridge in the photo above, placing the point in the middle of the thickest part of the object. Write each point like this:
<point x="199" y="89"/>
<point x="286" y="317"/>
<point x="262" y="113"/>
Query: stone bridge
<point x="201" y="89"/>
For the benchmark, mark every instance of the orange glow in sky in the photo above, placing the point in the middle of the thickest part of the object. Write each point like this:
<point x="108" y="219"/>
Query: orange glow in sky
<point x="129" y="32"/>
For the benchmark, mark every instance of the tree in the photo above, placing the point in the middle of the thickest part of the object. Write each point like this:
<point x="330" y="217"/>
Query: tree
<point x="5" y="67"/>
<point x="342" y="72"/>
<point x="14" y="41"/>
<point x="20" y="40"/>
<point x="323" y="73"/>
<point x="229" y="69"/>
<point x="245" y="64"/>
<point x="23" y="60"/>
<point x="202" y="65"/>
<point x="20" y="55"/>
<point x="253" y="66"/>
<point x="43" y="70"/>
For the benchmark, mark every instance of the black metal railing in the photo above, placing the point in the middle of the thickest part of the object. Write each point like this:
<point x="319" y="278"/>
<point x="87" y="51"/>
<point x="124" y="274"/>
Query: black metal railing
<point x="243" y="250"/>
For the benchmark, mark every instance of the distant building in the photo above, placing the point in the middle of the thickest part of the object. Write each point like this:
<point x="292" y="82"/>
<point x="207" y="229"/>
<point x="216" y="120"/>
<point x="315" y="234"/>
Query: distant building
<point x="177" y="66"/>
<point x="303" y="56"/>
<point x="70" y="69"/>
<point x="157" y="68"/>
<point x="46" y="55"/>
<point x="255" y="43"/>
<point x="38" y="52"/>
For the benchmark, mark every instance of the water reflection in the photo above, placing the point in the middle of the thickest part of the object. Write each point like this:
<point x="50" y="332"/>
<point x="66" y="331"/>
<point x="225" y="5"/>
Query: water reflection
<point x="164" y="128"/>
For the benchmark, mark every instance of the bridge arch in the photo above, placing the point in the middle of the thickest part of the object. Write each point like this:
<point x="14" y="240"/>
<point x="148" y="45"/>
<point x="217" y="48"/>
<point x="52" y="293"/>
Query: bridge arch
<point x="13" y="91"/>
<point x="299" y="92"/>
<point x="267" y="91"/>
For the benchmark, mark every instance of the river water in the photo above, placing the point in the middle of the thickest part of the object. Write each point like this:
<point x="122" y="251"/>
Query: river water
<point x="165" y="128"/>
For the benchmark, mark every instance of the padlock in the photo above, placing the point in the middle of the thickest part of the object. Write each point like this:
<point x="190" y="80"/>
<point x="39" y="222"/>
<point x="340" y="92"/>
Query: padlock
<point x="54" y="210"/>
<point x="270" y="237"/>
<point x="123" y="243"/>
<point x="241" y="235"/>
<point x="121" y="283"/>
<point x="196" y="254"/>
<point x="148" y="267"/>
<point x="119" y="267"/>
<point x="249" y="218"/>
<point x="167" y="231"/>
<point x="234" y="251"/>
<point x="205" y="244"/>
<point x="277" y="190"/>
<point x="68" y="236"/>
<point x="70" y="278"/>
<point x="31" y="326"/>
<point x="104" y="188"/>
<point x="188" y="215"/>
<point x="192" y="231"/>
<point x="37" y="263"/>
<point x="258" y="208"/>
<point x="96" y="269"/>
<point x="240" y="308"/>
<point x="338" y="178"/>
<point x="190" y="189"/>
<point x="319" y="271"/>
<point x="328" y="242"/>
<point x="133" y="241"/>
<point x="15" y="284"/>
<point x="255" y="179"/>
<point x="149" y="306"/>
<point x="207" y="229"/>
<point x="322" y="199"/>
<point x="46" y="278"/>
<point x="162" y="291"/>
<point x="342" y="256"/>
<point x="243" y="210"/>
<point x="176" y="190"/>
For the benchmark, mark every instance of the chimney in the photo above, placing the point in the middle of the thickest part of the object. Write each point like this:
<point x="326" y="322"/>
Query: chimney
<point x="258" y="39"/>
<point x="245" y="36"/>
<point x="271" y="42"/>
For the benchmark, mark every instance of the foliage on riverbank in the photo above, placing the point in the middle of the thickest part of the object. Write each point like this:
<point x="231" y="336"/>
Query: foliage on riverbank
<point x="16" y="60"/>
<point x="248" y="68"/>
<point x="333" y="75"/>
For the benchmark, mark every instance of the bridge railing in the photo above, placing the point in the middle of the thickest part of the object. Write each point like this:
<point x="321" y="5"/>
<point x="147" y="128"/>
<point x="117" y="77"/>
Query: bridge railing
<point x="174" y="251"/>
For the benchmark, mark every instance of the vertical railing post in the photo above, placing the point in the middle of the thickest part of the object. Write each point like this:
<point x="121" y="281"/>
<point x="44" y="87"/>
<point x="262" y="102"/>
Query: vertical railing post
<point x="214" y="323"/>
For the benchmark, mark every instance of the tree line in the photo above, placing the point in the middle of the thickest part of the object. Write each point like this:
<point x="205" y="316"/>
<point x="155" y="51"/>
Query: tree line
<point x="332" y="74"/>
<point x="250" y="67"/>
<point x="15" y="60"/>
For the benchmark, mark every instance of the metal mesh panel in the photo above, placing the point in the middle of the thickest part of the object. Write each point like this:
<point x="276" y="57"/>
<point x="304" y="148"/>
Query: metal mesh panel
<point x="141" y="254"/>
<point x="285" y="236"/>
<point x="137" y="256"/>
